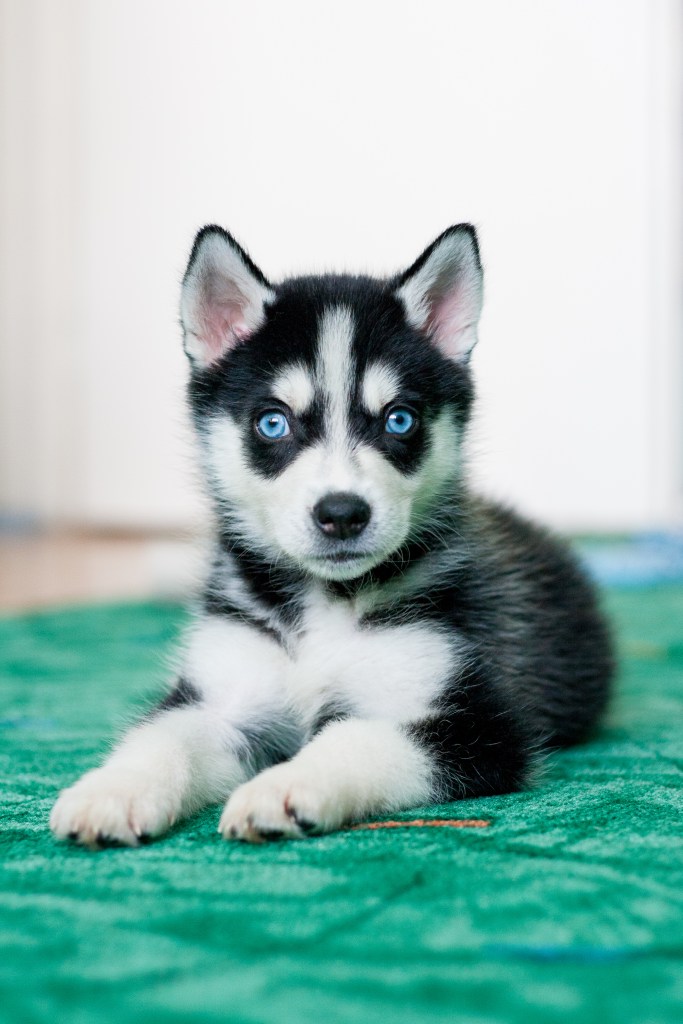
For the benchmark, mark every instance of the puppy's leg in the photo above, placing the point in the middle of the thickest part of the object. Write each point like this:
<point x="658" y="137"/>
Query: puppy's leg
<point x="355" y="768"/>
<point x="351" y="769"/>
<point x="224" y="720"/>
<point x="164" y="769"/>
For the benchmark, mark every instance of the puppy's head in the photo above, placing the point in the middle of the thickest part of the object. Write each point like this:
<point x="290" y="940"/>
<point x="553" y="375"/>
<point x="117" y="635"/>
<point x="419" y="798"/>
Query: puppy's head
<point x="330" y="410"/>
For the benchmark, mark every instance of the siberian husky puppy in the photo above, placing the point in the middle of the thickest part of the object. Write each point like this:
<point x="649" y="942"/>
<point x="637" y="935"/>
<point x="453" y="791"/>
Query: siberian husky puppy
<point x="372" y="636"/>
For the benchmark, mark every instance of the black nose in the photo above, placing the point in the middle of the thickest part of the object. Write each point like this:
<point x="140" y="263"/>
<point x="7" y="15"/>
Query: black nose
<point x="341" y="515"/>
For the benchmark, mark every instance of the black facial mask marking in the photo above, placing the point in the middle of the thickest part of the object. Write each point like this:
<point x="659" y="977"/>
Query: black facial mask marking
<point x="241" y="383"/>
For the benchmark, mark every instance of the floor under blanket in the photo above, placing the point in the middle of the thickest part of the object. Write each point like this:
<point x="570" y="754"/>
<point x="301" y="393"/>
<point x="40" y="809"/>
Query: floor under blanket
<point x="561" y="904"/>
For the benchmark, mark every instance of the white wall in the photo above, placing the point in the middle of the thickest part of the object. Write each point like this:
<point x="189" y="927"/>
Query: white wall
<point x="41" y="423"/>
<point x="347" y="137"/>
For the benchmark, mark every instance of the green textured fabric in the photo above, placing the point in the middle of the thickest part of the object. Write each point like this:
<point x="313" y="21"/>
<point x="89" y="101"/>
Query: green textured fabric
<point x="567" y="908"/>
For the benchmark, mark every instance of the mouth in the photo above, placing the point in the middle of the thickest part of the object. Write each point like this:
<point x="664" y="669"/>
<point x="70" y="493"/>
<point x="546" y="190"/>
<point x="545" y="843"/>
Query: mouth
<point x="341" y="565"/>
<point x="343" y="556"/>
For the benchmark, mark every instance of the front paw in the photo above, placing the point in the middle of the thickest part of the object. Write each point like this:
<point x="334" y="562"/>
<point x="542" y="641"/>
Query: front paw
<point x="280" y="803"/>
<point x="110" y="806"/>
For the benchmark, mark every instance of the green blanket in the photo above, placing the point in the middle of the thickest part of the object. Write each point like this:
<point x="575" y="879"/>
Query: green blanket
<point x="566" y="907"/>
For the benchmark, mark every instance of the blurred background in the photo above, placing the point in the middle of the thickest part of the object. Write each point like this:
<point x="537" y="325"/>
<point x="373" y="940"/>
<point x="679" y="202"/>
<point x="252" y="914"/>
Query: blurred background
<point x="331" y="137"/>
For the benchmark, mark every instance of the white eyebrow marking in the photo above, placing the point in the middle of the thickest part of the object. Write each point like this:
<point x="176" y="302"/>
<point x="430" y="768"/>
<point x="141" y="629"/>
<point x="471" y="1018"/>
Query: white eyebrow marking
<point x="294" y="387"/>
<point x="381" y="385"/>
<point x="335" y="369"/>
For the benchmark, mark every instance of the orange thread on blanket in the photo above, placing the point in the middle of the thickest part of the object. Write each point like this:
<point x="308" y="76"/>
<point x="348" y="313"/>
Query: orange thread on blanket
<point x="427" y="822"/>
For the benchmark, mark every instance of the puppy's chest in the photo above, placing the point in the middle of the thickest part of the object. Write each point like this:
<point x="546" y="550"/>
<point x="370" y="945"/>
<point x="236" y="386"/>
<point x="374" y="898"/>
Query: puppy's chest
<point x="339" y="662"/>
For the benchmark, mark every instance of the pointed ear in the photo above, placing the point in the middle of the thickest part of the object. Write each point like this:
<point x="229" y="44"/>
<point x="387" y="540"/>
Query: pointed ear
<point x="223" y="296"/>
<point x="442" y="291"/>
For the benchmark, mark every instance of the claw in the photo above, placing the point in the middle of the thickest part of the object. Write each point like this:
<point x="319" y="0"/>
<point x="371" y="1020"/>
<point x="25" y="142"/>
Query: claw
<point x="306" y="826"/>
<point x="271" y="834"/>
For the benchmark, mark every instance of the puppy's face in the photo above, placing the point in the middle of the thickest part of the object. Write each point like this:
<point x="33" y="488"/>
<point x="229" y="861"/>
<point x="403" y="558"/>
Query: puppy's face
<point x="330" y="410"/>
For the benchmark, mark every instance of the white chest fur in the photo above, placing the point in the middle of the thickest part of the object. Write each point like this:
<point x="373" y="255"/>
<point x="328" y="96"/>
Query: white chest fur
<point x="392" y="672"/>
<point x="389" y="672"/>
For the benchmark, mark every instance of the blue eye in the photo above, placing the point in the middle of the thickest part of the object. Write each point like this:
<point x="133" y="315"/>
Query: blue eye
<point x="273" y="425"/>
<point x="399" y="421"/>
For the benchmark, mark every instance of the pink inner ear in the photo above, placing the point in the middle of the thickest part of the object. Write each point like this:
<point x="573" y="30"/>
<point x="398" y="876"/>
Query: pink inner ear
<point x="223" y="325"/>
<point x="445" y="313"/>
<point x="452" y="320"/>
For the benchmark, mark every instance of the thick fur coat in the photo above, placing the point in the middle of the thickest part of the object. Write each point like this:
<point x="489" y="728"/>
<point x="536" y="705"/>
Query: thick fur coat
<point x="372" y="636"/>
